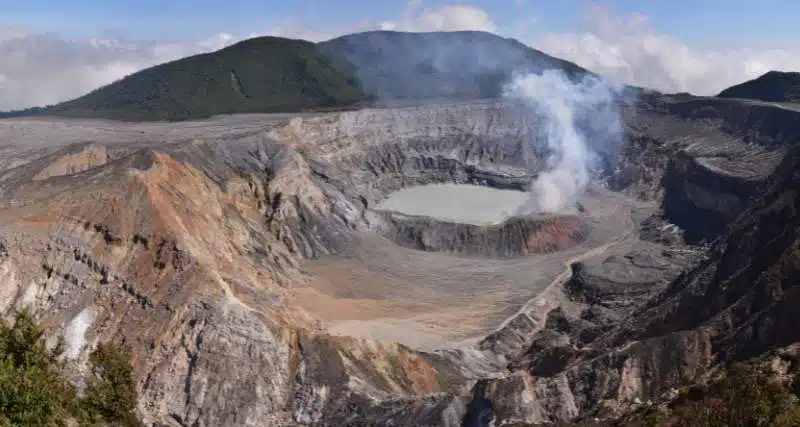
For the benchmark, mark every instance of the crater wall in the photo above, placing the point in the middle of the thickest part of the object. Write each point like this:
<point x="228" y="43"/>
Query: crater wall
<point x="188" y="240"/>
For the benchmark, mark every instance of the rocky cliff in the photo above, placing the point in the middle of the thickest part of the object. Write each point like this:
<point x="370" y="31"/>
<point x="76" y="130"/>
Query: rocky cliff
<point x="242" y="260"/>
<point x="731" y="305"/>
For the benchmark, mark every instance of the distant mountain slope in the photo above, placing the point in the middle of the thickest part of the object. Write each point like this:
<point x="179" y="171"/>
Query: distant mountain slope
<point x="460" y="64"/>
<point x="774" y="86"/>
<point x="264" y="74"/>
<point x="270" y="74"/>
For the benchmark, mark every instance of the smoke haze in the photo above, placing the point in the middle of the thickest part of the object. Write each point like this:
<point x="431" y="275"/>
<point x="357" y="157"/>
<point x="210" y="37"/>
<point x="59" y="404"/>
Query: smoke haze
<point x="572" y="117"/>
<point x="575" y="115"/>
<point x="465" y="64"/>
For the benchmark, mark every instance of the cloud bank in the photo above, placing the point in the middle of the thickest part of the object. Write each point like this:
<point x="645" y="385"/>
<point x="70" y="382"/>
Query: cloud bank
<point x="40" y="69"/>
<point x="628" y="49"/>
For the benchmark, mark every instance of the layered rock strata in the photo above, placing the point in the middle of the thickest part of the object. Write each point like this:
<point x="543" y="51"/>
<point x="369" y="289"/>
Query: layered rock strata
<point x="186" y="242"/>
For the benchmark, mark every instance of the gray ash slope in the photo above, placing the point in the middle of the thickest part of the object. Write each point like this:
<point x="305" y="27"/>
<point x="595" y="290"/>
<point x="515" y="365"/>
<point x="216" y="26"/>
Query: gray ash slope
<point x="219" y="250"/>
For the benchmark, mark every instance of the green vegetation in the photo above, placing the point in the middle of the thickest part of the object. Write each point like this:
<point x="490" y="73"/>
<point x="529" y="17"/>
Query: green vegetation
<point x="265" y="74"/>
<point x="111" y="391"/>
<point x="774" y="86"/>
<point x="742" y="397"/>
<point x="34" y="392"/>
<point x="271" y="74"/>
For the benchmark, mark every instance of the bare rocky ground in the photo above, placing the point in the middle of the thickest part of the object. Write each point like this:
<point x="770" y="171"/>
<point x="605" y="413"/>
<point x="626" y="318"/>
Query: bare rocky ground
<point x="438" y="300"/>
<point x="243" y="261"/>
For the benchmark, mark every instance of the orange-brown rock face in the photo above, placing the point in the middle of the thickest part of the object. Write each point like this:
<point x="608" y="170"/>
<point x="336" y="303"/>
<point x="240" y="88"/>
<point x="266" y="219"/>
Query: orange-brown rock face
<point x="148" y="249"/>
<point x="556" y="234"/>
<point x="189" y="254"/>
<point x="243" y="261"/>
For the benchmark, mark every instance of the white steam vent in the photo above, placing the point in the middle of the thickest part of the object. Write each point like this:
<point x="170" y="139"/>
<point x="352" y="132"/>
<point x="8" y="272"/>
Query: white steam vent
<point x="574" y="115"/>
<point x="75" y="333"/>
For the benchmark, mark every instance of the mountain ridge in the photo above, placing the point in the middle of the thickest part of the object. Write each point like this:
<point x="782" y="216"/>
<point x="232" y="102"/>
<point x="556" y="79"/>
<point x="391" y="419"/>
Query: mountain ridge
<point x="263" y="74"/>
<point x="772" y="86"/>
<point x="273" y="74"/>
<point x="459" y="64"/>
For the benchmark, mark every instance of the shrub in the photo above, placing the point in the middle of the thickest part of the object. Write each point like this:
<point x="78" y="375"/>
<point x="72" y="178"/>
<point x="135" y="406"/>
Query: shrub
<point x="743" y="397"/>
<point x="34" y="391"/>
<point x="111" y="391"/>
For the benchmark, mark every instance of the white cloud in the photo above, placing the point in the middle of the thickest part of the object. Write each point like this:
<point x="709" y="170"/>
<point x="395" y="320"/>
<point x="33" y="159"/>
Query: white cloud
<point x="456" y="17"/>
<point x="415" y="17"/>
<point x="299" y="30"/>
<point x="39" y="69"/>
<point x="629" y="49"/>
<point x="9" y="32"/>
<point x="42" y="69"/>
<point x="624" y="47"/>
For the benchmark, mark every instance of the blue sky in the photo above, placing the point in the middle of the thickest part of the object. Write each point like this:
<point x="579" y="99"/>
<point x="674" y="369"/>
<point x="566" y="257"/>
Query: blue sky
<point x="54" y="50"/>
<point x="182" y="19"/>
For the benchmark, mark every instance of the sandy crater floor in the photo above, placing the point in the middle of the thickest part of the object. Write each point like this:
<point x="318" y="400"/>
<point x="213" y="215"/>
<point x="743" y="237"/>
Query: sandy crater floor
<point x="437" y="300"/>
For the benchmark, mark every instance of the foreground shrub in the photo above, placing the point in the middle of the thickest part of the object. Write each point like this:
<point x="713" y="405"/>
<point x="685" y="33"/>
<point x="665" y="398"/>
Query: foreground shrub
<point x="34" y="391"/>
<point x="744" y="397"/>
<point x="111" y="391"/>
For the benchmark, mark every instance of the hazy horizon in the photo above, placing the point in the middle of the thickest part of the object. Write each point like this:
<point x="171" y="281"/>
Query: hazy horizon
<point x="56" y="51"/>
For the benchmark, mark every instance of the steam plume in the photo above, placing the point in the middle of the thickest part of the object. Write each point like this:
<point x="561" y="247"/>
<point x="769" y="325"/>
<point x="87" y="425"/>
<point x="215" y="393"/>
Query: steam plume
<point x="576" y="120"/>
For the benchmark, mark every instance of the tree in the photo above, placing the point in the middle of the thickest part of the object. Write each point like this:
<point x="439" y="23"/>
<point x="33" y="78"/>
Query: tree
<point x="111" y="390"/>
<point x="32" y="389"/>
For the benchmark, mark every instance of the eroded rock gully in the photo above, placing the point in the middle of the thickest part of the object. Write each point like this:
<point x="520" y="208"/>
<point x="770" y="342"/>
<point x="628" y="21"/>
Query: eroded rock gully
<point x="243" y="262"/>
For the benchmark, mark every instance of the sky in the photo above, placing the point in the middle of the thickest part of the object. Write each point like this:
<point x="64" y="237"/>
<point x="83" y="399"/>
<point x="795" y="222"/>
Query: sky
<point x="54" y="50"/>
